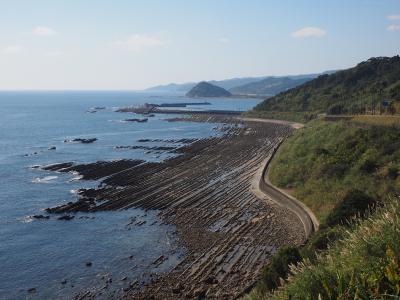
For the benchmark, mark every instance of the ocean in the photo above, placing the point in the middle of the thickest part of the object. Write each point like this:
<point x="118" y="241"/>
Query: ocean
<point x="51" y="258"/>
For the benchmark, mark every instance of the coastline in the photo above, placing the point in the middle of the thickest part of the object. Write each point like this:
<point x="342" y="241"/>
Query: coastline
<point x="229" y="234"/>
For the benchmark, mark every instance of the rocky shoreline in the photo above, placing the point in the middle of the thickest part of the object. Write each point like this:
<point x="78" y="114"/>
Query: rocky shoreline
<point x="228" y="233"/>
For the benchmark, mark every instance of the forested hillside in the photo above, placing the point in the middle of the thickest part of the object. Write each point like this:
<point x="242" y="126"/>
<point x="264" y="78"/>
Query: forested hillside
<point x="372" y="86"/>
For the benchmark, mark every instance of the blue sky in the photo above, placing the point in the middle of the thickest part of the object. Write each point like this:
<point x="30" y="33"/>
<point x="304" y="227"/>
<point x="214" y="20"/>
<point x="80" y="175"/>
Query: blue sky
<point x="123" y="44"/>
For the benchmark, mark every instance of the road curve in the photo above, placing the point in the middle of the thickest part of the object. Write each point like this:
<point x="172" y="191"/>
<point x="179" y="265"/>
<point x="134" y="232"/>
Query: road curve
<point x="264" y="189"/>
<point x="283" y="122"/>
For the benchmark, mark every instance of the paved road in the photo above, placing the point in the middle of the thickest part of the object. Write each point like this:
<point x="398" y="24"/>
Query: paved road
<point x="264" y="189"/>
<point x="283" y="122"/>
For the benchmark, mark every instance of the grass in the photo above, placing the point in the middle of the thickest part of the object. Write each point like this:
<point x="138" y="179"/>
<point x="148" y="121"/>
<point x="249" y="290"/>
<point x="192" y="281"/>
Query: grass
<point x="363" y="264"/>
<point x="341" y="170"/>
<point x="379" y="120"/>
<point x="325" y="161"/>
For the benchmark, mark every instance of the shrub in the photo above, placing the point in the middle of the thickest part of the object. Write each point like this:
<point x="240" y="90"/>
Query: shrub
<point x="279" y="267"/>
<point x="336" y="109"/>
<point x="319" y="241"/>
<point x="393" y="172"/>
<point x="363" y="264"/>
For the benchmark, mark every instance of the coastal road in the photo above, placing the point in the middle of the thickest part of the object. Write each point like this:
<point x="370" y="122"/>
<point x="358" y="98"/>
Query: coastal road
<point x="264" y="189"/>
<point x="273" y="121"/>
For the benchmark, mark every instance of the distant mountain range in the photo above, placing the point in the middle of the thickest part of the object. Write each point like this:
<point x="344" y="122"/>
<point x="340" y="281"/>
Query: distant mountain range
<point x="205" y="89"/>
<point x="185" y="87"/>
<point x="261" y="86"/>
<point x="269" y="86"/>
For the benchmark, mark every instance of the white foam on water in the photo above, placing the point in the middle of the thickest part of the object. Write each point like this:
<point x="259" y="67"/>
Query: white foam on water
<point x="45" y="179"/>
<point x="26" y="219"/>
<point x="76" y="177"/>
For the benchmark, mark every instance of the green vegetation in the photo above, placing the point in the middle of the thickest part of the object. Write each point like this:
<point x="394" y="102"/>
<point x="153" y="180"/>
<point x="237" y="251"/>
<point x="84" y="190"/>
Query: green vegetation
<point x="343" y="171"/>
<point x="354" y="91"/>
<point x="269" y="86"/>
<point x="364" y="264"/>
<point x="380" y="120"/>
<point x="343" y="167"/>
<point x="278" y="268"/>
<point x="325" y="163"/>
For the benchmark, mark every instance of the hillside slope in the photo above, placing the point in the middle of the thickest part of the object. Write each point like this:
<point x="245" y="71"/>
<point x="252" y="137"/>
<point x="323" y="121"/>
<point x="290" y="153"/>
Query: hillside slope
<point x="363" y="264"/>
<point x="205" y="89"/>
<point x="355" y="90"/>
<point x="341" y="170"/>
<point x="269" y="86"/>
<point x="327" y="160"/>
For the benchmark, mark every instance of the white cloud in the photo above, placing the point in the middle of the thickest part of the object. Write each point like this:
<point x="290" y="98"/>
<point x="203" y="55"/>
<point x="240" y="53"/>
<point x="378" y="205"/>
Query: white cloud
<point x="309" y="32"/>
<point x="13" y="49"/>
<point x="43" y="31"/>
<point x="393" y="27"/>
<point x="139" y="42"/>
<point x="393" y="17"/>
<point x="223" y="40"/>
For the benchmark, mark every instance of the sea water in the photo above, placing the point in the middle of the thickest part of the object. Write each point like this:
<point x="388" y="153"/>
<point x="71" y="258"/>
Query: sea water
<point x="50" y="255"/>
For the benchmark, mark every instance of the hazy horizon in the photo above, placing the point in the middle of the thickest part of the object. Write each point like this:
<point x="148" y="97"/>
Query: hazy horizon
<point x="96" y="45"/>
<point x="155" y="85"/>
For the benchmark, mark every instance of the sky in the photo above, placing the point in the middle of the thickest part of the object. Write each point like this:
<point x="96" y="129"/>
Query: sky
<point x="132" y="44"/>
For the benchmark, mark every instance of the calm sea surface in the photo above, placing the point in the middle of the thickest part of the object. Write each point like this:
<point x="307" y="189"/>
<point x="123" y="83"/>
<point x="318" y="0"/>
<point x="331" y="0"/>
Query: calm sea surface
<point x="51" y="255"/>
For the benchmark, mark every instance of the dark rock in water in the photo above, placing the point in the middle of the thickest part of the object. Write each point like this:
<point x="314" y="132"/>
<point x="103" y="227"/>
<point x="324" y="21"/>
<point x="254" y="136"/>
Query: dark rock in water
<point x="40" y="217"/>
<point x="124" y="278"/>
<point x="66" y="218"/>
<point x="156" y="148"/>
<point x="88" y="264"/>
<point x="88" y="193"/>
<point x="64" y="281"/>
<point x="137" y="120"/>
<point x="52" y="148"/>
<point x="57" y="167"/>
<point x="205" y="89"/>
<point x="80" y="140"/>
<point x="85" y="141"/>
<point x="32" y="290"/>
